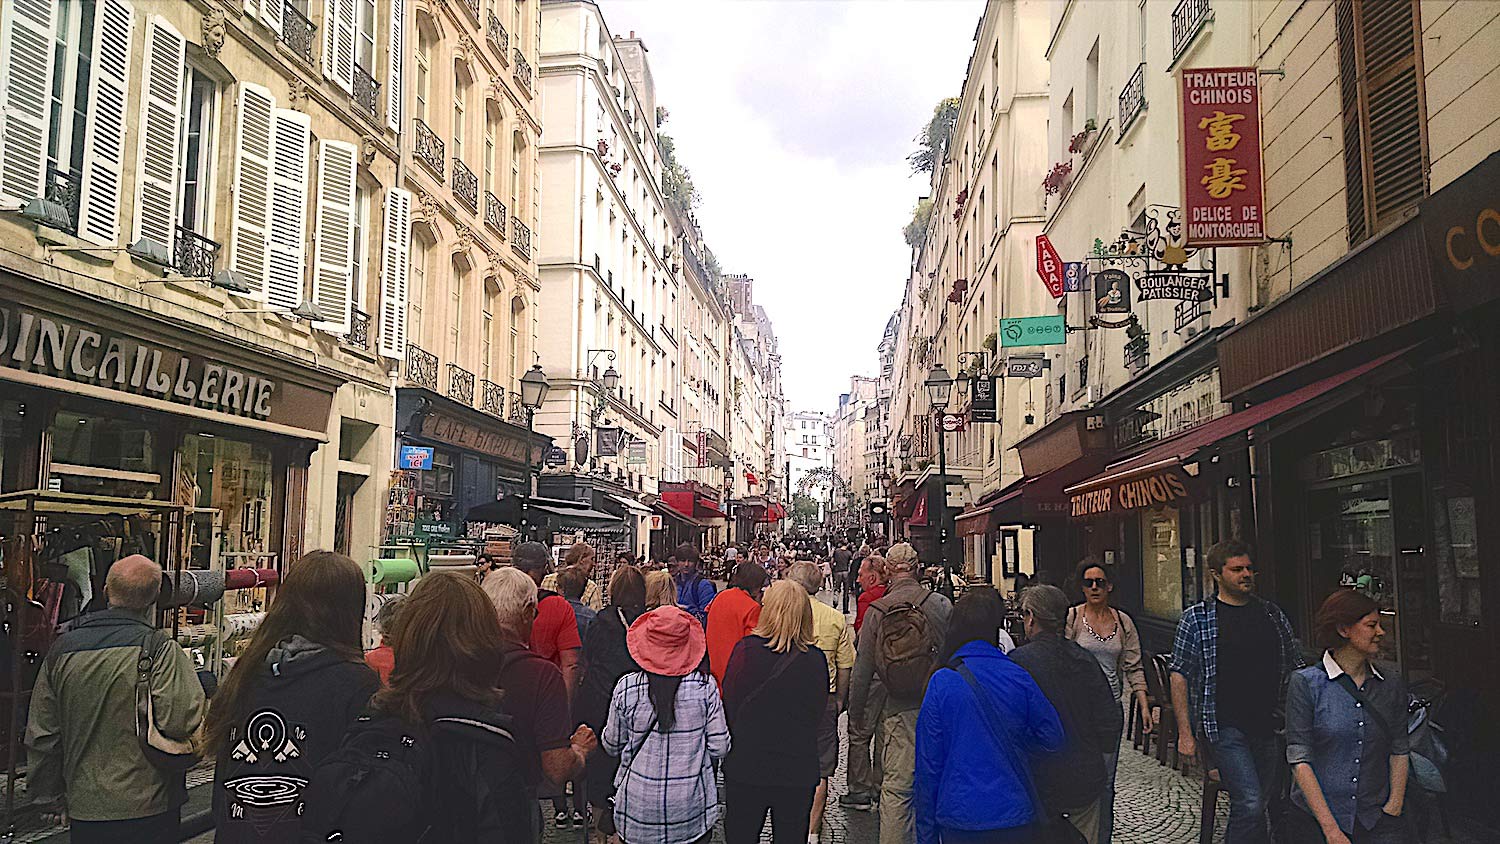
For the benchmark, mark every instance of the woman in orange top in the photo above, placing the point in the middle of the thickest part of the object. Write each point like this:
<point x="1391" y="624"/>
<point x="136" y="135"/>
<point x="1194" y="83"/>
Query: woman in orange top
<point x="733" y="614"/>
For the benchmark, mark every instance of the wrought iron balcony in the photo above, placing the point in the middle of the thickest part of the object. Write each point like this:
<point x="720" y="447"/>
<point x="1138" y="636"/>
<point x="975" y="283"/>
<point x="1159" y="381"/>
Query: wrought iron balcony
<point x="465" y="185"/>
<point x="429" y="148"/>
<point x="523" y="71"/>
<point x="473" y="7"/>
<point x="366" y="93"/>
<point x="62" y="188"/>
<point x="494" y="214"/>
<point x="359" y="329"/>
<point x="495" y="32"/>
<point x="297" y="32"/>
<point x="520" y="238"/>
<point x="421" y="367"/>
<point x="1133" y="98"/>
<point x="193" y="254"/>
<point x="1187" y="19"/>
<point x="492" y="398"/>
<point x="460" y="384"/>
<point x="519" y="413"/>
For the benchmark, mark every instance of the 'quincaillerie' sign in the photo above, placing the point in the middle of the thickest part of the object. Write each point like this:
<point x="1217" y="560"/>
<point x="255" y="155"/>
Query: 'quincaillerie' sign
<point x="42" y="343"/>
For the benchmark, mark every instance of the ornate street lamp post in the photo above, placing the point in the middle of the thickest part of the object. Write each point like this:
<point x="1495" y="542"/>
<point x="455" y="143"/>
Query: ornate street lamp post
<point x="939" y="389"/>
<point x="534" y="388"/>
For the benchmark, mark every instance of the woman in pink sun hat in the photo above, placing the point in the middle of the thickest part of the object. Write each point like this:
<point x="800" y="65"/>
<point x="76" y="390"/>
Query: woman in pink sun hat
<point x="666" y="726"/>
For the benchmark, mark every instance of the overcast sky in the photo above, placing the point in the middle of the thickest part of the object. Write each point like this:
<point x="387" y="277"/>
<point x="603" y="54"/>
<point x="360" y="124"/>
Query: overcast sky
<point x="795" y="118"/>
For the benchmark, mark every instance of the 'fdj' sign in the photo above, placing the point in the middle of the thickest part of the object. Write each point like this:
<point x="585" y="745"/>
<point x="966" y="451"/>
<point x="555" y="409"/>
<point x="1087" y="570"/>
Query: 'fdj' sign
<point x="1033" y="331"/>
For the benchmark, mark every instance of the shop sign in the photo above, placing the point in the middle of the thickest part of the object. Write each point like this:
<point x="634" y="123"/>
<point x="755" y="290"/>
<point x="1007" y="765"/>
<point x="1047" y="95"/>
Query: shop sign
<point x="1033" y="331"/>
<point x="1185" y="285"/>
<point x="1049" y="266"/>
<point x="434" y="527"/>
<point x="607" y="441"/>
<point x="1111" y="292"/>
<point x="951" y="422"/>
<point x="1025" y="367"/>
<point x="656" y="521"/>
<point x="635" y="454"/>
<point x="1461" y="224"/>
<point x="35" y="341"/>
<point x="494" y="442"/>
<point x="982" y="400"/>
<point x="1075" y="276"/>
<point x="1223" y="192"/>
<point x="416" y="457"/>
<point x="1154" y="490"/>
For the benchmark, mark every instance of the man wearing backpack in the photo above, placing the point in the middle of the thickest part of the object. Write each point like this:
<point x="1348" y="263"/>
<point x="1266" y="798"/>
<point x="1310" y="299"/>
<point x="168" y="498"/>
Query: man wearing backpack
<point x="898" y="647"/>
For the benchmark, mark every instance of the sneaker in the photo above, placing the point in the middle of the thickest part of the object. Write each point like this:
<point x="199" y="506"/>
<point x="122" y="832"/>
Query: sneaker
<point x="563" y="820"/>
<point x="578" y="819"/>
<point x="856" y="800"/>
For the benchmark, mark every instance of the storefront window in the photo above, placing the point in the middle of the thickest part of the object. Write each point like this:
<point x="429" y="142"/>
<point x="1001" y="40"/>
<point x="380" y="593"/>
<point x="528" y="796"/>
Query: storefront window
<point x="234" y="478"/>
<point x="439" y="479"/>
<point x="12" y="435"/>
<point x="103" y="455"/>
<point x="1161" y="562"/>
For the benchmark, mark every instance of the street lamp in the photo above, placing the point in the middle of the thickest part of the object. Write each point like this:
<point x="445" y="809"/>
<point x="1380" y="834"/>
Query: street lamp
<point x="534" y="388"/>
<point x="939" y="389"/>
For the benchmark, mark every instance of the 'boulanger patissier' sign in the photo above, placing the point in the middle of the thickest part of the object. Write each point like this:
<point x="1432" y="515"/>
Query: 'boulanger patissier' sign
<point x="1223" y="192"/>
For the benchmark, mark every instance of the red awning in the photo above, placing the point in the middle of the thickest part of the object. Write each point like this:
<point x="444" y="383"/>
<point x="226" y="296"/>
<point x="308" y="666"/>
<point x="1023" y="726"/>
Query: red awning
<point x="919" y="513"/>
<point x="679" y="500"/>
<point x="707" y="510"/>
<point x="1174" y="451"/>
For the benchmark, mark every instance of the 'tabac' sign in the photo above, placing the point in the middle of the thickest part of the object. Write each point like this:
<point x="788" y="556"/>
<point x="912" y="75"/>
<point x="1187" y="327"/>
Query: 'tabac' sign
<point x="1033" y="331"/>
<point x="1050" y="267"/>
<point x="416" y="457"/>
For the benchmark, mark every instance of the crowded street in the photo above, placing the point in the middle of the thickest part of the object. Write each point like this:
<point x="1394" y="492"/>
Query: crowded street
<point x="757" y="421"/>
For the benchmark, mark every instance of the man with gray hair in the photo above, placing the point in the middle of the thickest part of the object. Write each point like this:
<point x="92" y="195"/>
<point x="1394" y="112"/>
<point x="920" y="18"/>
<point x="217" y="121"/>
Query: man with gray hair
<point x="81" y="736"/>
<point x="535" y="695"/>
<point x="1072" y="781"/>
<point x="898" y="646"/>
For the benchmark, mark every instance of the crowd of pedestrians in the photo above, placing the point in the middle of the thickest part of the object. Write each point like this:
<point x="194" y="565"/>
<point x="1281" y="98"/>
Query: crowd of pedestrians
<point x="484" y="702"/>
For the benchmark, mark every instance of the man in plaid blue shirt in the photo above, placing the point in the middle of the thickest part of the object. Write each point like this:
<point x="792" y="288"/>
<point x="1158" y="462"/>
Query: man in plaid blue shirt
<point x="1231" y="659"/>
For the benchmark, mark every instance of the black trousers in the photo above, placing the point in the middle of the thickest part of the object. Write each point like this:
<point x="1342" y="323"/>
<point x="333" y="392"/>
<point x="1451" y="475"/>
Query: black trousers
<point x="153" y="830"/>
<point x="745" y="812"/>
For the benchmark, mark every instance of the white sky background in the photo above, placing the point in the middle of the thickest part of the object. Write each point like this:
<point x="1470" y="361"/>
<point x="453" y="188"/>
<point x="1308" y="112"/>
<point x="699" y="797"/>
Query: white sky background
<point x="795" y="118"/>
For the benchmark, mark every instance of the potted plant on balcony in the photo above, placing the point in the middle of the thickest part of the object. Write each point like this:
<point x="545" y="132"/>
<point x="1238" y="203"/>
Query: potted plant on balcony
<point x="602" y="147"/>
<point x="1057" y="177"/>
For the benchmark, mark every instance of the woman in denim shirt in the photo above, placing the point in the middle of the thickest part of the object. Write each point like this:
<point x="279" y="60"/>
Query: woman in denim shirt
<point x="1346" y="733"/>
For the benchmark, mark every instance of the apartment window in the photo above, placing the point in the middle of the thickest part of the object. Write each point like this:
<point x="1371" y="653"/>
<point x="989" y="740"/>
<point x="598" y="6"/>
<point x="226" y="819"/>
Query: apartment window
<point x="416" y="299"/>
<point x="364" y="43"/>
<point x="460" y="103"/>
<point x="456" y="315"/>
<point x="70" y="85"/>
<point x="517" y="316"/>
<point x="1141" y="29"/>
<point x="361" y="231"/>
<point x="518" y="148"/>
<point x="490" y="129"/>
<point x="1091" y="85"/>
<point x="424" y="73"/>
<point x="1385" y="137"/>
<point x="198" y="151"/>
<point x="1065" y="125"/>
<point x="486" y="341"/>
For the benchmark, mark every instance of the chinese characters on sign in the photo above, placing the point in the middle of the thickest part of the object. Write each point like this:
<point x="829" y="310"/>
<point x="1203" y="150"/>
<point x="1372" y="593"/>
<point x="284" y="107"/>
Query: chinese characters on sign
<point x="1049" y="266"/>
<point x="1223" y="194"/>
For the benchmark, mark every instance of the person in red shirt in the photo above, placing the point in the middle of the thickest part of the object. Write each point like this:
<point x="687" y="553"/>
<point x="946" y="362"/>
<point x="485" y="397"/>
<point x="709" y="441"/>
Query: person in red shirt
<point x="733" y="614"/>
<point x="382" y="660"/>
<point x="872" y="587"/>
<point x="554" y="634"/>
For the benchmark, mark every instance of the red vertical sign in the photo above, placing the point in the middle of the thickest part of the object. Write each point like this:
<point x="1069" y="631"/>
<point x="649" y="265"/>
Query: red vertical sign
<point x="1049" y="266"/>
<point x="1223" y="192"/>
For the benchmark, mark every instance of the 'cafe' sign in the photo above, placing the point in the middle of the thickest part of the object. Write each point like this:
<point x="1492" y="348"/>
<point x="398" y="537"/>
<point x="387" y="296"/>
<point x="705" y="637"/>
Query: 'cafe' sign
<point x="1158" y="488"/>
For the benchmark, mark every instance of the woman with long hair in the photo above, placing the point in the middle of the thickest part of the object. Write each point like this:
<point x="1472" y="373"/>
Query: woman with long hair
<point x="666" y="726"/>
<point x="1346" y="733"/>
<point x="298" y="684"/>
<point x="661" y="589"/>
<point x="775" y="691"/>
<point x="605" y="660"/>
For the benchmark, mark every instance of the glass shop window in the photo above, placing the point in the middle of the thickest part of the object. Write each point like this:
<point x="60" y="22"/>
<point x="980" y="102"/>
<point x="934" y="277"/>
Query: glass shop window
<point x="234" y="478"/>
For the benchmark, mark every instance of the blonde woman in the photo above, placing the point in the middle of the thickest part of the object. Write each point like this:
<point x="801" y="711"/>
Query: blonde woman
<point x="775" y="690"/>
<point x="661" y="589"/>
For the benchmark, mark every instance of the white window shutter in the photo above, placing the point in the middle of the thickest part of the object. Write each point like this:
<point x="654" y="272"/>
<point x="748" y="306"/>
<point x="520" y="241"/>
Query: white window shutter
<point x="334" y="234"/>
<point x="158" y="171"/>
<point x="291" y="133"/>
<point x="27" y="30"/>
<point x="344" y="49"/>
<point x="395" y="54"/>
<point x="249" y="247"/>
<point x="330" y="36"/>
<point x="100" y="197"/>
<point x="270" y="12"/>
<point x="395" y="271"/>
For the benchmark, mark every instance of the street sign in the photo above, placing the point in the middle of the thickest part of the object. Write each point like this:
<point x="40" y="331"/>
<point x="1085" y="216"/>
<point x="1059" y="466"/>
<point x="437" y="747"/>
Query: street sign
<point x="1049" y="266"/>
<point x="1033" y="331"/>
<point x="982" y="400"/>
<point x="556" y="457"/>
<point x="416" y="457"/>
<point x="1024" y="367"/>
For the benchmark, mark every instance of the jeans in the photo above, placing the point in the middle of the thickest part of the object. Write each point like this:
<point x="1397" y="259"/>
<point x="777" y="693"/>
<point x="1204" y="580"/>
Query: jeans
<point x="153" y="830"/>
<point x="1107" y="801"/>
<point x="1303" y="828"/>
<point x="1248" y="768"/>
<point x="745" y="807"/>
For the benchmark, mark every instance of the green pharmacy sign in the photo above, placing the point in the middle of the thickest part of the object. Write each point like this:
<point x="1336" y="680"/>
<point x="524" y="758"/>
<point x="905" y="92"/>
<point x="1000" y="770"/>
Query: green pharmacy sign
<point x="1033" y="331"/>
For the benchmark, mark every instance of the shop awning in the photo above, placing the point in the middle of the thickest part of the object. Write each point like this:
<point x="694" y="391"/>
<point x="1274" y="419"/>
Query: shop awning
<point x="1169" y="454"/>
<point x="680" y="517"/>
<point x="568" y="514"/>
<point x="632" y="506"/>
<point x="586" y="519"/>
<point x="973" y="522"/>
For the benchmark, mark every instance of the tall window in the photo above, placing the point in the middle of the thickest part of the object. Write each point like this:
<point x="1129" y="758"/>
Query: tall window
<point x="1141" y="29"/>
<point x="456" y="314"/>
<point x="1385" y="130"/>
<point x="361" y="231"/>
<point x="424" y="73"/>
<point x="364" y="44"/>
<point x="1091" y="85"/>
<point x="486" y="341"/>
<point x="460" y="103"/>
<point x="491" y="127"/>
<point x="517" y="316"/>
<point x="416" y="299"/>
<point x="198" y="133"/>
<point x="70" y="85"/>
<point x="518" y="148"/>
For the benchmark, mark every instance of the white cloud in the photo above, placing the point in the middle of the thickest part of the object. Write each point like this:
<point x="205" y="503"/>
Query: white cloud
<point x="795" y="119"/>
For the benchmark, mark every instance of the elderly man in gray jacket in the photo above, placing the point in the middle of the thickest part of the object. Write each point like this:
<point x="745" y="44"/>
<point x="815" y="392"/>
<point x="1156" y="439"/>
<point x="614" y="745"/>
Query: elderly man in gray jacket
<point x="896" y="720"/>
<point x="81" y="737"/>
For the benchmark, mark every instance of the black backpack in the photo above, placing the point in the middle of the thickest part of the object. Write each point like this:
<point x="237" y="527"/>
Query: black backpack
<point x="388" y="782"/>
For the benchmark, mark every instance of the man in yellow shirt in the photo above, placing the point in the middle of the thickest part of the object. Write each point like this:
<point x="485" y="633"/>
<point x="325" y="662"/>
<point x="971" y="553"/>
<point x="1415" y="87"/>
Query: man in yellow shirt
<point x="834" y="637"/>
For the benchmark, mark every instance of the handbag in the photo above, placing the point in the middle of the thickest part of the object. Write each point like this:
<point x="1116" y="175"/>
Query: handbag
<point x="1050" y="829"/>
<point x="164" y="753"/>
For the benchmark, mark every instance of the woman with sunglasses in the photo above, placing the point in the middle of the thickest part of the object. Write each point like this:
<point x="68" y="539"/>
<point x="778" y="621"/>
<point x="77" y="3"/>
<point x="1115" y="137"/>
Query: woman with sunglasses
<point x="1110" y="635"/>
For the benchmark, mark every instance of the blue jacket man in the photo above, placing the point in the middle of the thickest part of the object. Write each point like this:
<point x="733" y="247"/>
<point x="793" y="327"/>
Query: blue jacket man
<point x="694" y="591"/>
